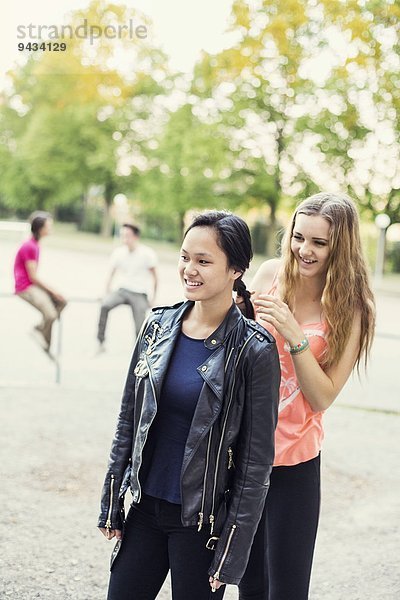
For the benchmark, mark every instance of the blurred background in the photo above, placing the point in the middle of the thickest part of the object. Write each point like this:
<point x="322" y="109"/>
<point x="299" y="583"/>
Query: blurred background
<point x="250" y="106"/>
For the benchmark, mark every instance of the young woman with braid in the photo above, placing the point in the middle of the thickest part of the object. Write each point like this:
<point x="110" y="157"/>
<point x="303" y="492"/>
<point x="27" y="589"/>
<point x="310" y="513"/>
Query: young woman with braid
<point x="195" y="434"/>
<point x="317" y="302"/>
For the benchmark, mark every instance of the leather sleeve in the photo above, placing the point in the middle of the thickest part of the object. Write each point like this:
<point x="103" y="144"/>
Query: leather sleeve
<point x="111" y="514"/>
<point x="254" y="459"/>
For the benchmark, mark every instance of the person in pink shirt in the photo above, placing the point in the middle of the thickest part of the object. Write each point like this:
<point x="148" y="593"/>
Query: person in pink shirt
<point x="317" y="302"/>
<point x="30" y="287"/>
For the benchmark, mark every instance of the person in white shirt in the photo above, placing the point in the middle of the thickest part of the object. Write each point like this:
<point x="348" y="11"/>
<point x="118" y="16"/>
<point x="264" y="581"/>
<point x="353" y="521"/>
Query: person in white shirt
<point x="134" y="264"/>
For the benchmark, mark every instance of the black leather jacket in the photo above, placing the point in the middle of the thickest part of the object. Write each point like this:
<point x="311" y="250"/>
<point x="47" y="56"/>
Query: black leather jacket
<point x="230" y="447"/>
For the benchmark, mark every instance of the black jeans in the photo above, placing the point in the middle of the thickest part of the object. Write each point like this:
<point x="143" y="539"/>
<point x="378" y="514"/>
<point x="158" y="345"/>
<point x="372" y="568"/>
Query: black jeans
<point x="155" y="542"/>
<point x="281" y="557"/>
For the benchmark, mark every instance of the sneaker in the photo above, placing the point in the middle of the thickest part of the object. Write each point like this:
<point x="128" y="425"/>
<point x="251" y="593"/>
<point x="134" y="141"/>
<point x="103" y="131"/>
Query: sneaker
<point x="37" y="336"/>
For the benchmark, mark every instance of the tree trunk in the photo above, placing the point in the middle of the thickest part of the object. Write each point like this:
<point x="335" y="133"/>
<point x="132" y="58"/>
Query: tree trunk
<point x="82" y="211"/>
<point x="272" y="230"/>
<point x="107" y="221"/>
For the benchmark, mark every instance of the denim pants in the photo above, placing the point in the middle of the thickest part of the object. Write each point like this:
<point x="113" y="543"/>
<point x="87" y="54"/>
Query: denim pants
<point x="138" y="302"/>
<point x="154" y="542"/>
<point x="280" y="562"/>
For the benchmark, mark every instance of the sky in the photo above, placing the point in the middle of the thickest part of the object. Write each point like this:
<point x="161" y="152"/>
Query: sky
<point x="182" y="27"/>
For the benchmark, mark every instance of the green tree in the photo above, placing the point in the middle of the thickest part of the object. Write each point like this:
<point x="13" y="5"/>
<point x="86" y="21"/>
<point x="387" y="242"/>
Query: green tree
<point x="188" y="169"/>
<point x="358" y="128"/>
<point x="309" y="97"/>
<point x="75" y="117"/>
<point x="260" y="80"/>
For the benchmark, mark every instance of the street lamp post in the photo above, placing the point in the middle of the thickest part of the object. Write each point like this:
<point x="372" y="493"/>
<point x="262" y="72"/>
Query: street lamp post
<point x="382" y="221"/>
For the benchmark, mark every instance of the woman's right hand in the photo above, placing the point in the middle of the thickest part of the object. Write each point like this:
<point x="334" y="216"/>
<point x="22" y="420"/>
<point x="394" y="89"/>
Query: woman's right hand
<point x="215" y="584"/>
<point x="110" y="533"/>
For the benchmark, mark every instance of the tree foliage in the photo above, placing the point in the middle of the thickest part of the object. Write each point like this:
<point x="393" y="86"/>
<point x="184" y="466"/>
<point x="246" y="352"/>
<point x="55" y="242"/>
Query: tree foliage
<point x="68" y="123"/>
<point x="187" y="168"/>
<point x="311" y="90"/>
<point x="306" y="98"/>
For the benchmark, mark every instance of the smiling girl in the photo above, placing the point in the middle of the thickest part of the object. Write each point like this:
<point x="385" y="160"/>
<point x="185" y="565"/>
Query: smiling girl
<point x="195" y="434"/>
<point x="317" y="303"/>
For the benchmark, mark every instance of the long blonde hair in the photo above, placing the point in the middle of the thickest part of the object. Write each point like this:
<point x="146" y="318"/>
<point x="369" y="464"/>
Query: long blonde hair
<point x="347" y="288"/>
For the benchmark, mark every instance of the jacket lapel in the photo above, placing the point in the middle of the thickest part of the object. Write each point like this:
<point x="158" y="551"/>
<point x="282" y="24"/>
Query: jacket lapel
<point x="159" y="355"/>
<point x="212" y="371"/>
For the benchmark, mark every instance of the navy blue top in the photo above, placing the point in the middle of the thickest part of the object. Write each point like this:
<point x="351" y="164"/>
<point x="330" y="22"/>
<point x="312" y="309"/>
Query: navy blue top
<point x="165" y="446"/>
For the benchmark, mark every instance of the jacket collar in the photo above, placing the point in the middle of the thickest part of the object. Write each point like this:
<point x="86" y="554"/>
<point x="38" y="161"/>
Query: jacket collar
<point x="217" y="338"/>
<point x="163" y="339"/>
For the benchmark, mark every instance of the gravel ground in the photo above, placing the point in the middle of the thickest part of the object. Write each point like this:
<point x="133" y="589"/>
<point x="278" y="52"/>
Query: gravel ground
<point x="55" y="441"/>
<point x="54" y="448"/>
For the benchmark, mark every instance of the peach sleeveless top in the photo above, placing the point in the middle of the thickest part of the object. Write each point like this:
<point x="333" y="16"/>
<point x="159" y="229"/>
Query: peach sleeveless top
<point x="299" y="432"/>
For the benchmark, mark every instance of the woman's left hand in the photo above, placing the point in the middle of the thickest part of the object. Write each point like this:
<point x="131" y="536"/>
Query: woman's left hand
<point x="274" y="311"/>
<point x="215" y="584"/>
<point x="110" y="533"/>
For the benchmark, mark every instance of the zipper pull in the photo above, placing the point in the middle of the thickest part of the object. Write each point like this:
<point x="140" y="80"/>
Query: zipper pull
<point x="215" y="578"/>
<point x="212" y="520"/>
<point x="230" y="459"/>
<point x="200" y="521"/>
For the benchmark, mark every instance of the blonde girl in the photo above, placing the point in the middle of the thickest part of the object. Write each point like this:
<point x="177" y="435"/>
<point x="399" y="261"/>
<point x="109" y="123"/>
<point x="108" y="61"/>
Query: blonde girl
<point x="317" y="302"/>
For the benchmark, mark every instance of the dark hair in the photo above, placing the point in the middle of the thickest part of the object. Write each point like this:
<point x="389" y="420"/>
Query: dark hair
<point x="133" y="228"/>
<point x="38" y="220"/>
<point x="234" y="239"/>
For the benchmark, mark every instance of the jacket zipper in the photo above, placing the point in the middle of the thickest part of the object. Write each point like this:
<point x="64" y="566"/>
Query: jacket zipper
<point x="228" y="543"/>
<point x="108" y="522"/>
<point x="231" y="464"/>
<point x="201" y="513"/>
<point x="229" y="358"/>
<point x="212" y="517"/>
<point x="148" y="429"/>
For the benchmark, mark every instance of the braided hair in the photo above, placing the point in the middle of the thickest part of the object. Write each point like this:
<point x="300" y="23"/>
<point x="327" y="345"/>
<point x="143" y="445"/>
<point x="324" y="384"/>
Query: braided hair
<point x="234" y="239"/>
<point x="246" y="306"/>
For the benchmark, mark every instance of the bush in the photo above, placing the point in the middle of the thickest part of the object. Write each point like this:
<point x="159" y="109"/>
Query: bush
<point x="91" y="219"/>
<point x="259" y="233"/>
<point x="393" y="257"/>
<point x="161" y="227"/>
